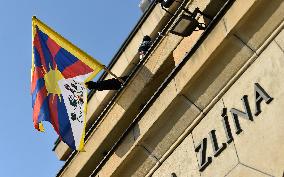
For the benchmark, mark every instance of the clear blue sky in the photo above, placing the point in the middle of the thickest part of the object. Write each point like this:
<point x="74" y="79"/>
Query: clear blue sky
<point x="97" y="27"/>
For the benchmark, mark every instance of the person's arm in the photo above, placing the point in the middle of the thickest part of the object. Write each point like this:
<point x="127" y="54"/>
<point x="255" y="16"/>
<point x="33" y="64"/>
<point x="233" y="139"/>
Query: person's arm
<point x="110" y="84"/>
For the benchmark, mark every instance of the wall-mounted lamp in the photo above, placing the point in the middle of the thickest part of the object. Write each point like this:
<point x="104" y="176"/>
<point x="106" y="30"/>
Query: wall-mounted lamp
<point x="187" y="23"/>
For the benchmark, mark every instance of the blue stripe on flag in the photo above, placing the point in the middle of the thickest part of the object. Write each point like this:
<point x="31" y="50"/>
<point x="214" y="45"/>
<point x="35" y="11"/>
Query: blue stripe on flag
<point x="37" y="61"/>
<point x="64" y="59"/>
<point x="39" y="85"/>
<point x="42" y="35"/>
<point x="47" y="55"/>
<point x="44" y="114"/>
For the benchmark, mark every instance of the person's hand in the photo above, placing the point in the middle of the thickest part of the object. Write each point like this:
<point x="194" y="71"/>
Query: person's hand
<point x="91" y="85"/>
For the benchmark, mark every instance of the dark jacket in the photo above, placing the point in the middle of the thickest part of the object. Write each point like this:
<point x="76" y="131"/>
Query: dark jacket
<point x="145" y="45"/>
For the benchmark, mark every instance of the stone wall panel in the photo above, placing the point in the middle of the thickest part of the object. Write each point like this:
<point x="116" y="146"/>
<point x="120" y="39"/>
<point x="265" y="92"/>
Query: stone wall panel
<point x="228" y="158"/>
<point x="182" y="162"/>
<point x="262" y="140"/>
<point x="242" y="170"/>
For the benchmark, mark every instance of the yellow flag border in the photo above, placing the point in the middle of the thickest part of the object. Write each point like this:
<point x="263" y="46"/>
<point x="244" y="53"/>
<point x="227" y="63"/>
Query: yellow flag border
<point x="64" y="43"/>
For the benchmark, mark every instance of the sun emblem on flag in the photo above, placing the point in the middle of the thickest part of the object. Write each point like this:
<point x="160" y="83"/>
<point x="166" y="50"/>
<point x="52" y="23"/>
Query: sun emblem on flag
<point x="51" y="79"/>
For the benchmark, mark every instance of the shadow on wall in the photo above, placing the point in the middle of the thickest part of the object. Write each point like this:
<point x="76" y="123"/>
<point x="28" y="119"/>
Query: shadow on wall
<point x="139" y="97"/>
<point x="219" y="69"/>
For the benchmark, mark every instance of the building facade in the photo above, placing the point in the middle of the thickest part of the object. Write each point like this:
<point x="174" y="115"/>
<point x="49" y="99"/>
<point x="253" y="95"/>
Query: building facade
<point x="208" y="102"/>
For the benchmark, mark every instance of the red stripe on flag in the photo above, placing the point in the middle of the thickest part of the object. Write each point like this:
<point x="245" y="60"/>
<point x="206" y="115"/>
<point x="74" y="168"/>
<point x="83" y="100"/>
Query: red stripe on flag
<point x="53" y="48"/>
<point x="39" y="49"/>
<point x="76" y="69"/>
<point x="54" y="113"/>
<point x="41" y="95"/>
<point x="37" y="74"/>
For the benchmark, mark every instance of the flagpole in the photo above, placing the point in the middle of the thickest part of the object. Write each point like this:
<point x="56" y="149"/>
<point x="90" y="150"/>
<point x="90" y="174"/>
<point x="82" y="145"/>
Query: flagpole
<point x="111" y="73"/>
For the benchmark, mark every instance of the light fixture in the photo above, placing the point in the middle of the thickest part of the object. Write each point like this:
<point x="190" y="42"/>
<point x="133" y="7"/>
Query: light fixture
<point x="187" y="23"/>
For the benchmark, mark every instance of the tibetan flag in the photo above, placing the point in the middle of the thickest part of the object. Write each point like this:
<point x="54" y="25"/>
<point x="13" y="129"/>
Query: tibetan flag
<point x="59" y="94"/>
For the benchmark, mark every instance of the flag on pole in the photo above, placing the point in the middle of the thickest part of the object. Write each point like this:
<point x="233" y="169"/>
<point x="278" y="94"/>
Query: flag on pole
<point x="58" y="75"/>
